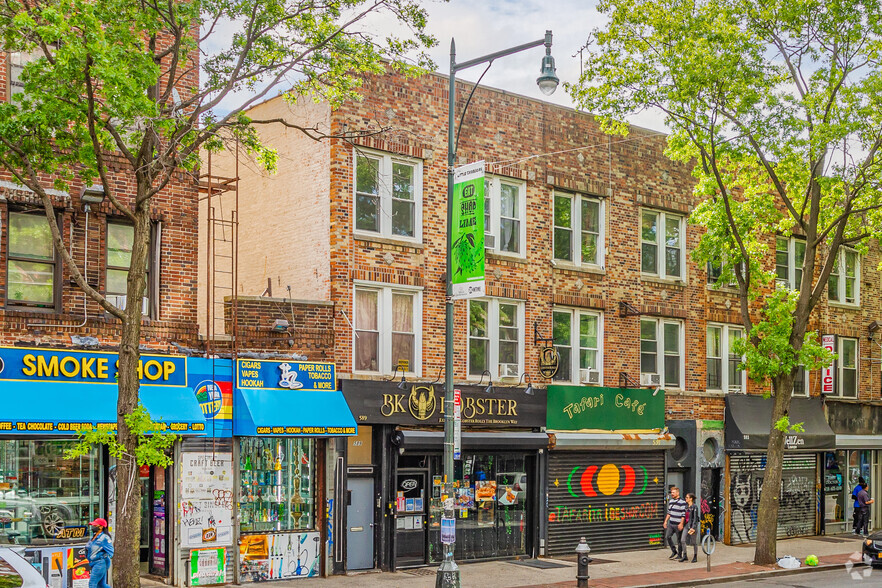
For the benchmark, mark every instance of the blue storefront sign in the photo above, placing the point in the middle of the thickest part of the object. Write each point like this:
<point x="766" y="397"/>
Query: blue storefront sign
<point x="289" y="398"/>
<point x="63" y="366"/>
<point x="61" y="391"/>
<point x="290" y="375"/>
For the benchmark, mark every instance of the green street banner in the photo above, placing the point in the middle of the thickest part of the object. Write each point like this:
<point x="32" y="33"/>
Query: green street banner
<point x="572" y="408"/>
<point x="467" y="231"/>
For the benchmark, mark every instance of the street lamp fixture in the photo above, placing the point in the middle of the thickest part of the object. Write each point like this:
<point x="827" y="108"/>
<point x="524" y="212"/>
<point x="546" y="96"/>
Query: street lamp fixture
<point x="448" y="571"/>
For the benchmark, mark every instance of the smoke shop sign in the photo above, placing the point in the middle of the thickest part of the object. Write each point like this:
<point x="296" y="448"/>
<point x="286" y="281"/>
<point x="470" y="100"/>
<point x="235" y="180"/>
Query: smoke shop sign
<point x="572" y="408"/>
<point x="423" y="404"/>
<point x="63" y="366"/>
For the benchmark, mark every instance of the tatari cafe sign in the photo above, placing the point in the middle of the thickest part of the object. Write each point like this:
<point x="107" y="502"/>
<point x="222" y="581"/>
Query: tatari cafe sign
<point x="63" y="366"/>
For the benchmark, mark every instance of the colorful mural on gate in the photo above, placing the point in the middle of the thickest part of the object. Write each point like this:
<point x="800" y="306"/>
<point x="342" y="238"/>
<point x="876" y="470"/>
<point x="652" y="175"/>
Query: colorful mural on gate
<point x="212" y="381"/>
<point x="609" y="480"/>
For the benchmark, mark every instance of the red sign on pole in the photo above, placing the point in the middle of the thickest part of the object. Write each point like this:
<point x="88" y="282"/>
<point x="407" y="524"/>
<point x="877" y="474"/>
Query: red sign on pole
<point x="828" y="374"/>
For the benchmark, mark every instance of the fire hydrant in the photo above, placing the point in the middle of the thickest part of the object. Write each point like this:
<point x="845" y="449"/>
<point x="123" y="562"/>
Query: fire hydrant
<point x="582" y="561"/>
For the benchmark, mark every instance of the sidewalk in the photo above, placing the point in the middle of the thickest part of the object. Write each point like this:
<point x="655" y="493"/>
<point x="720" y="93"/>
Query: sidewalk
<point x="623" y="569"/>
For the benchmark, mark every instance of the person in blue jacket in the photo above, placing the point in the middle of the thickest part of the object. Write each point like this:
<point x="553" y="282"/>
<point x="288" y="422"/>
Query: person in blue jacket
<point x="99" y="551"/>
<point x="857" y="506"/>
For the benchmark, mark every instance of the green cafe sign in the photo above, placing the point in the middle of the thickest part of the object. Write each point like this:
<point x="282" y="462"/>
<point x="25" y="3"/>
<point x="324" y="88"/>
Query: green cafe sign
<point x="572" y="408"/>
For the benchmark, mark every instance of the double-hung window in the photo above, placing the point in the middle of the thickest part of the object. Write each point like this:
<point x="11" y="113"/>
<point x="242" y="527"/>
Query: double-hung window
<point x="387" y="327"/>
<point x="661" y="350"/>
<point x="844" y="285"/>
<point x="578" y="339"/>
<point x="723" y="371"/>
<point x="578" y="229"/>
<point x="388" y="195"/>
<point x="662" y="244"/>
<point x="120" y="240"/>
<point x="496" y="337"/>
<point x="800" y="383"/>
<point x="847" y="366"/>
<point x="17" y="60"/>
<point x="31" y="265"/>
<point x="505" y="212"/>
<point x="789" y="258"/>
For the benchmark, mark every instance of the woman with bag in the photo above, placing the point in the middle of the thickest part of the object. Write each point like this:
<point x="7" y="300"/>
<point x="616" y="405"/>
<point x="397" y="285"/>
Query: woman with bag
<point x="691" y="528"/>
<point x="99" y="551"/>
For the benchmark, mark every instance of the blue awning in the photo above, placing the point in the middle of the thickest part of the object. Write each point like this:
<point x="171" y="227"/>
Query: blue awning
<point x="302" y="413"/>
<point x="63" y="409"/>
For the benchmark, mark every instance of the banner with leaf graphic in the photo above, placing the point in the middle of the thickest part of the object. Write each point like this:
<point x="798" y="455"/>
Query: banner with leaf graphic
<point x="467" y="231"/>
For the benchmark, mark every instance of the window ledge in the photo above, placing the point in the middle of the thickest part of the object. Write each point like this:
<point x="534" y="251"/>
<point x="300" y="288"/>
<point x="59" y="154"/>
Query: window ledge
<point x="679" y="283"/>
<point x="698" y="393"/>
<point x="370" y="238"/>
<point x="568" y="266"/>
<point x="512" y="257"/>
<point x="843" y="305"/>
<point x="722" y="289"/>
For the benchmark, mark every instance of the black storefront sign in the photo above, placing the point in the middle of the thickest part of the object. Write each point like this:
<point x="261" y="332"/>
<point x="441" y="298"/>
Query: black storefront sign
<point x="422" y="404"/>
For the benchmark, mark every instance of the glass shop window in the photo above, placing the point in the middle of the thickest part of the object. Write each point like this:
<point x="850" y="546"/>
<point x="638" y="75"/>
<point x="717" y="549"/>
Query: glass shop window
<point x="277" y="484"/>
<point x="42" y="494"/>
<point x="836" y="509"/>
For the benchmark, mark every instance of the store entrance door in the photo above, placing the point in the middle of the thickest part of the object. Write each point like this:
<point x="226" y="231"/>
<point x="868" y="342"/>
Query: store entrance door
<point x="360" y="524"/>
<point x="710" y="501"/>
<point x="154" y="522"/>
<point x="410" y="518"/>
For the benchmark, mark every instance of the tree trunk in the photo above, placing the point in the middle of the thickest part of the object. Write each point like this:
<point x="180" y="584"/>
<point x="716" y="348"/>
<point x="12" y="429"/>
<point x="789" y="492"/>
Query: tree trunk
<point x="127" y="530"/>
<point x="767" y="515"/>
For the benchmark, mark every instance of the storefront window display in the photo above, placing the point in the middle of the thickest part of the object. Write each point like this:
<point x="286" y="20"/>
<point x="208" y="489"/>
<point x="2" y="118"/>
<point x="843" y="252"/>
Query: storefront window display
<point x="277" y="477"/>
<point x="491" y="507"/>
<point x="45" y="498"/>
<point x="836" y="509"/>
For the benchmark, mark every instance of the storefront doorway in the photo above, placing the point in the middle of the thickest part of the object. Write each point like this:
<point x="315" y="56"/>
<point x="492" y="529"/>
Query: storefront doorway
<point x="154" y="521"/>
<point x="410" y="516"/>
<point x="360" y="524"/>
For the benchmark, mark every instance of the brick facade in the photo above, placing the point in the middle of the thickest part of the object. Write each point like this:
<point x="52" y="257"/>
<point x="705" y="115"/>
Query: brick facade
<point x="326" y="257"/>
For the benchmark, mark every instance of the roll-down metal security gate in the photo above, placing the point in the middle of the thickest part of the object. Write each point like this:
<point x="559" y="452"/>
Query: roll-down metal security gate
<point x="797" y="513"/>
<point x="613" y="499"/>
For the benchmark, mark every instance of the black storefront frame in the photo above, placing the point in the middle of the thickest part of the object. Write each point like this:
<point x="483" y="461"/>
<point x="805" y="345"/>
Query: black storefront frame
<point x="506" y="413"/>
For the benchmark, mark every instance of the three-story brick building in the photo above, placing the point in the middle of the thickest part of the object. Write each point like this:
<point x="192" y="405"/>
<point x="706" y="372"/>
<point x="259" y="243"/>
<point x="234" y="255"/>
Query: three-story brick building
<point x="588" y="250"/>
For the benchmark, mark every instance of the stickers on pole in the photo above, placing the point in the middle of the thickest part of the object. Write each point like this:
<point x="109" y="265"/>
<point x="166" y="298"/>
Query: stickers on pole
<point x="457" y="424"/>
<point x="467" y="232"/>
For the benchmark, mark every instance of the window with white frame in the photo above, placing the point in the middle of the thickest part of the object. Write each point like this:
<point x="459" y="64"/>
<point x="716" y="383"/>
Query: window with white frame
<point x="388" y="195"/>
<point x="17" y="61"/>
<point x="789" y="258"/>
<point x="661" y="350"/>
<point x="578" y="339"/>
<point x="844" y="285"/>
<point x="387" y="327"/>
<point x="496" y="337"/>
<point x="847" y="367"/>
<point x="662" y="244"/>
<point x="120" y="241"/>
<point x="801" y="383"/>
<point x="578" y="229"/>
<point x="505" y="212"/>
<point x="723" y="371"/>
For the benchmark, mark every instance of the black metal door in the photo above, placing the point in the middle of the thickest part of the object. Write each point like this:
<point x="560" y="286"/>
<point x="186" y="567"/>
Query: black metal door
<point x="710" y="501"/>
<point x="613" y="499"/>
<point x="411" y="506"/>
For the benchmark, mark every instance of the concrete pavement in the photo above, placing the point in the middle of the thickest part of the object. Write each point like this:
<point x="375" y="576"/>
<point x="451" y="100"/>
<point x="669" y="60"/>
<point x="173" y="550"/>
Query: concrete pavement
<point x="610" y="570"/>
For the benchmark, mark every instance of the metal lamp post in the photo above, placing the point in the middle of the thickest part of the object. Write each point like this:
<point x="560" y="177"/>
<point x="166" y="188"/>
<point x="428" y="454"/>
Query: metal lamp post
<point x="448" y="571"/>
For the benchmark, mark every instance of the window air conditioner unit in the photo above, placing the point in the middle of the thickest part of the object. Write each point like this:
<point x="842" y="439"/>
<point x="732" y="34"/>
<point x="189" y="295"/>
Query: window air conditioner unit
<point x="589" y="376"/>
<point x="120" y="302"/>
<point x="508" y="370"/>
<point x="737" y="390"/>
<point x="489" y="241"/>
<point x="650" y="379"/>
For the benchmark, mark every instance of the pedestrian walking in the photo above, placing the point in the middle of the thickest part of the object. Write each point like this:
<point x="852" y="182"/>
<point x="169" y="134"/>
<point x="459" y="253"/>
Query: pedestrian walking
<point x="864" y="500"/>
<point x="691" y="529"/>
<point x="857" y="507"/>
<point x="99" y="551"/>
<point x="673" y="524"/>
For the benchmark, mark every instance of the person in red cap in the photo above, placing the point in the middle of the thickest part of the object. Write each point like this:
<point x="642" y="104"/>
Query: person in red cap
<point x="99" y="551"/>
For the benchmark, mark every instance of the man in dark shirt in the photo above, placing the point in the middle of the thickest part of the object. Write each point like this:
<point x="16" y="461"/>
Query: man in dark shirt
<point x="673" y="524"/>
<point x="857" y="507"/>
<point x="864" y="501"/>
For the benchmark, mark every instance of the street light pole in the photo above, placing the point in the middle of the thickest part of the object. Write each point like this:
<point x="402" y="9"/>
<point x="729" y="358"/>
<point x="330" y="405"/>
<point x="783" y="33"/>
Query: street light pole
<point x="448" y="571"/>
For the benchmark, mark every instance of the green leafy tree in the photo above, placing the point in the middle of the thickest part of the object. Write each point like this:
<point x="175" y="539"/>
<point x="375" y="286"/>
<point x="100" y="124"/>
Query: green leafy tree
<point x="145" y="86"/>
<point x="777" y="105"/>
